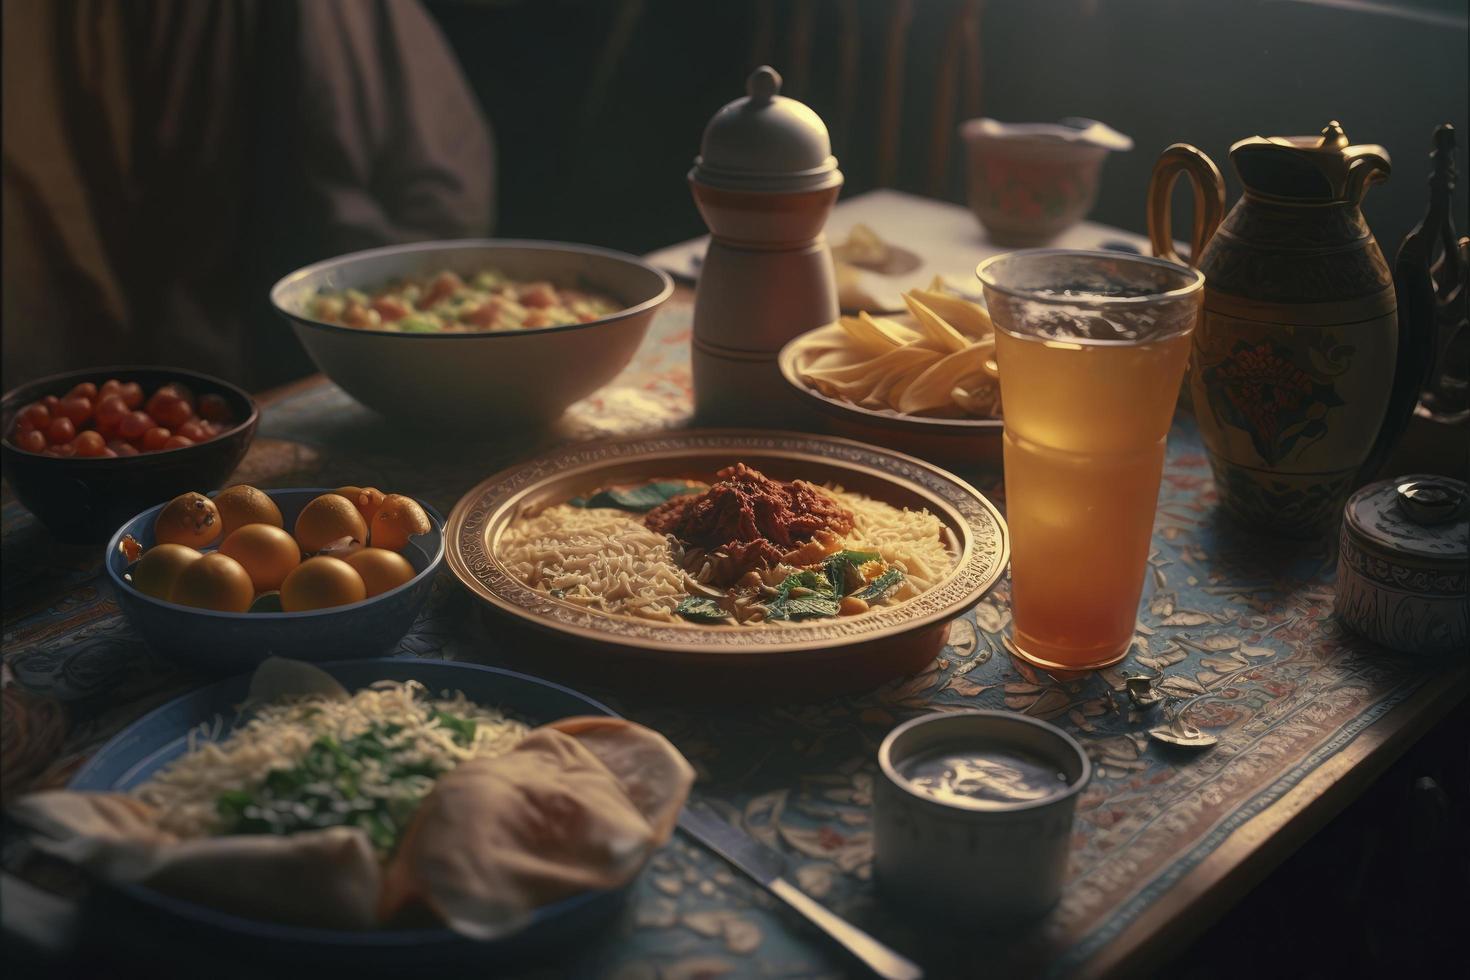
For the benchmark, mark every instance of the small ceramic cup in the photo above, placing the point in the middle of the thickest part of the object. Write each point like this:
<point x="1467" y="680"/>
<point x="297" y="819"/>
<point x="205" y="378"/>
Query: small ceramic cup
<point x="1029" y="182"/>
<point x="1004" y="861"/>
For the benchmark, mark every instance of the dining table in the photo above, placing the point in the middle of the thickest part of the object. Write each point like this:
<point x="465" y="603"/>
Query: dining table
<point x="1235" y="630"/>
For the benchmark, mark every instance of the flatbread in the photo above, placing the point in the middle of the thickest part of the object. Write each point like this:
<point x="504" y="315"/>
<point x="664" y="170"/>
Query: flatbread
<point x="652" y="772"/>
<point x="497" y="838"/>
<point x="327" y="878"/>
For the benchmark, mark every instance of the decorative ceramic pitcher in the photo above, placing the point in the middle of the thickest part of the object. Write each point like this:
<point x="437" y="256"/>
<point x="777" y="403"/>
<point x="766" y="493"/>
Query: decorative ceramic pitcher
<point x="1293" y="370"/>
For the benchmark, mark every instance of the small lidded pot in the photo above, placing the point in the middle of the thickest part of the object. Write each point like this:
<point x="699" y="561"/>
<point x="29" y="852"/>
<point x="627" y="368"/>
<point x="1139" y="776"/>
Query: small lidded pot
<point x="765" y="181"/>
<point x="1403" y="565"/>
<point x="972" y="813"/>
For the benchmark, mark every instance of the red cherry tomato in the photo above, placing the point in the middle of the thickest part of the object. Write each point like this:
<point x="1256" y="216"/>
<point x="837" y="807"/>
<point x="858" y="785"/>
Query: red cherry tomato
<point x="65" y="450"/>
<point x="50" y="401"/>
<point x="178" y="442"/>
<point x="32" y="441"/>
<point x="84" y="390"/>
<point x="121" y="448"/>
<point x="182" y="391"/>
<point x="194" y="429"/>
<point x="36" y="416"/>
<point x="134" y="424"/>
<point x="89" y="443"/>
<point x="132" y="393"/>
<point x="78" y="408"/>
<point x="60" y="431"/>
<point x="169" y="408"/>
<point x="108" y="452"/>
<point x="214" y="408"/>
<point x="155" y="438"/>
<point x="111" y="386"/>
<point x="110" y="412"/>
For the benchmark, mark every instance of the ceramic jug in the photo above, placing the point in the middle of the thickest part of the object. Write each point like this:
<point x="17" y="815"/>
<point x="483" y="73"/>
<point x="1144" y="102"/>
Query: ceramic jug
<point x="1302" y="373"/>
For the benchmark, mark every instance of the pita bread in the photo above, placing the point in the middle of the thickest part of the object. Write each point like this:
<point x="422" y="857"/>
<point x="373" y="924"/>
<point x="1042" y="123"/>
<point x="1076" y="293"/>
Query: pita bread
<point x="327" y="878"/>
<point x="497" y="838"/>
<point x="652" y="772"/>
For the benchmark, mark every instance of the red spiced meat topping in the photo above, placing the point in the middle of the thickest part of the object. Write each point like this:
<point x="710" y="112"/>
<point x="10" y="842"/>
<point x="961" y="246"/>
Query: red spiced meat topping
<point x="746" y="514"/>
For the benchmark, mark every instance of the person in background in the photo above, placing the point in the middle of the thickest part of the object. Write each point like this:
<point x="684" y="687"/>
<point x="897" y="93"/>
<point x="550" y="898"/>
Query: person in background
<point x="164" y="162"/>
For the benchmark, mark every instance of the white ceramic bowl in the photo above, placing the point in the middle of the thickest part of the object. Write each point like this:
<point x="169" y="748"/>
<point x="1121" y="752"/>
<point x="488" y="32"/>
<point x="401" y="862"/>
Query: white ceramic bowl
<point x="491" y="380"/>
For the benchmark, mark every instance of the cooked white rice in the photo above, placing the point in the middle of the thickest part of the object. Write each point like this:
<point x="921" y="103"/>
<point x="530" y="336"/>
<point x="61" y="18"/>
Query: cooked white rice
<point x="607" y="560"/>
<point x="279" y="736"/>
<point x="597" y="557"/>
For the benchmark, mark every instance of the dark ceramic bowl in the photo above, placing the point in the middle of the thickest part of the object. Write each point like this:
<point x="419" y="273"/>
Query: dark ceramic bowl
<point x="223" y="642"/>
<point x="504" y="379"/>
<point x="963" y="445"/>
<point x="84" y="500"/>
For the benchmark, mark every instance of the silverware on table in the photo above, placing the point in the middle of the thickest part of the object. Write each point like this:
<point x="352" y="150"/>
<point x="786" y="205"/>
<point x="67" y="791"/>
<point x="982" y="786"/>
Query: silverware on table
<point x="766" y="868"/>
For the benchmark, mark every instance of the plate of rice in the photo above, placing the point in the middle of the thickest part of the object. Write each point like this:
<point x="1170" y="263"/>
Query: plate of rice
<point x="735" y="561"/>
<point x="316" y="813"/>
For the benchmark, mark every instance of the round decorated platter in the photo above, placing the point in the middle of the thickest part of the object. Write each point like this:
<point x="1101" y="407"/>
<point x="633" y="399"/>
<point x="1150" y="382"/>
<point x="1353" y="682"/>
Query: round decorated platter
<point x="779" y="649"/>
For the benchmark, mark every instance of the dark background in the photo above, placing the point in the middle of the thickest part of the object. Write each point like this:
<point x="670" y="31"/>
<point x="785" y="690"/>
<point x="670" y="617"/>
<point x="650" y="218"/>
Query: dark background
<point x="598" y="105"/>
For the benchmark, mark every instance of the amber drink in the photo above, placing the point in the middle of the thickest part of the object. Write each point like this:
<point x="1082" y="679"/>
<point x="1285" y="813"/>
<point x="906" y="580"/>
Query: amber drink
<point x="1091" y="348"/>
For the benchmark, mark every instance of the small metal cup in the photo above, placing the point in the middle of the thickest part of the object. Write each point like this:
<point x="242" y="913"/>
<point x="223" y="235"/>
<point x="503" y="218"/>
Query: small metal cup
<point x="1005" y="862"/>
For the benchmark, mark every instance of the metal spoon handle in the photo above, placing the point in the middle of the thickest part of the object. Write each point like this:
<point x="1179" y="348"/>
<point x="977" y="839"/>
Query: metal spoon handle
<point x="879" y="958"/>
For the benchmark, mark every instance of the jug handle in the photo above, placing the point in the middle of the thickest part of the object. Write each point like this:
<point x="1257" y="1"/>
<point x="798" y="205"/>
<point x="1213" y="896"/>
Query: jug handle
<point x="1178" y="160"/>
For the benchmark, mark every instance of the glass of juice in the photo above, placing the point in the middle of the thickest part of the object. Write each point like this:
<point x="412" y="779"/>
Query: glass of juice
<point x="1091" y="348"/>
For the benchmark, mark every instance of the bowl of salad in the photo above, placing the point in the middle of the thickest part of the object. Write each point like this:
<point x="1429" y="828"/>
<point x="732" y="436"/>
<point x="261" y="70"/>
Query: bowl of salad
<point x="507" y="332"/>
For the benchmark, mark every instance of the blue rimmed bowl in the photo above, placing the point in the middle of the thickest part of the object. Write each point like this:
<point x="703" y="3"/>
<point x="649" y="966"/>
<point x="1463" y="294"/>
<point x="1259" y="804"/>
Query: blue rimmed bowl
<point x="135" y="914"/>
<point x="224" y="642"/>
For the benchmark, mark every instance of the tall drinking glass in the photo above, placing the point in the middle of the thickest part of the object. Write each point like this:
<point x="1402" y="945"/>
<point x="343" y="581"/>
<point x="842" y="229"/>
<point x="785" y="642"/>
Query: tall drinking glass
<point x="1091" y="348"/>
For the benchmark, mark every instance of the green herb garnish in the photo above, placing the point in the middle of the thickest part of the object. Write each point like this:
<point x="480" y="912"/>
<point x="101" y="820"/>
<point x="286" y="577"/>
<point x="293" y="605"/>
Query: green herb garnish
<point x="701" y="610"/>
<point x="844" y="567"/>
<point x="880" y="586"/>
<point x="462" y="728"/>
<point x="643" y="497"/>
<point x="804" y="595"/>
<point x="324" y="789"/>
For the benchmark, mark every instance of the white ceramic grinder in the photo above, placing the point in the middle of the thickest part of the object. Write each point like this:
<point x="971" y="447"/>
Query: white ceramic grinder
<point x="765" y="181"/>
<point x="972" y="814"/>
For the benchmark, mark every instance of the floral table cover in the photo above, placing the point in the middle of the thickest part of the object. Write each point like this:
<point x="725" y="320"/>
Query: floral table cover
<point x="1236" y="630"/>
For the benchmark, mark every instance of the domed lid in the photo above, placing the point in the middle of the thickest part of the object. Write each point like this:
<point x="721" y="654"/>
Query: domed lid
<point x="1420" y="519"/>
<point x="766" y="142"/>
<point x="1321" y="168"/>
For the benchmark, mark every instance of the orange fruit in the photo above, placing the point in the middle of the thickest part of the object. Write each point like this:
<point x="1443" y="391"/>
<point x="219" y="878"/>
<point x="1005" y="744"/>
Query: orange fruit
<point x="267" y="553"/>
<point x="326" y="519"/>
<point x="215" y="582"/>
<point x="398" y="519"/>
<point x="319" y="583"/>
<point x="159" y="568"/>
<point x="381" y="569"/>
<point x="188" y="519"/>
<point x="242" y="505"/>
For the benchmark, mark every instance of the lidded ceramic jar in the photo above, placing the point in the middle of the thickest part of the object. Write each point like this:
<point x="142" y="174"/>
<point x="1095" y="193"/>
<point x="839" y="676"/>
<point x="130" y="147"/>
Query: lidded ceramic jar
<point x="1403" y="566"/>
<point x="765" y="181"/>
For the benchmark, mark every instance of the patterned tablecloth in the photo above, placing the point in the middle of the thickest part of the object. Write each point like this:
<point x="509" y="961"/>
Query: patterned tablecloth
<point x="1236" y="628"/>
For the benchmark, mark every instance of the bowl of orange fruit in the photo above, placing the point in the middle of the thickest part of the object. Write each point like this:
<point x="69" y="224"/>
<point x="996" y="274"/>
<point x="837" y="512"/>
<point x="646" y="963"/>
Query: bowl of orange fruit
<point x="223" y="581"/>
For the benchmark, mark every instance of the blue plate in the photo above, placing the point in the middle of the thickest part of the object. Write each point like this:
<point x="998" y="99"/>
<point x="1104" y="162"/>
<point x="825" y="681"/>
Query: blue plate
<point x="226" y="642"/>
<point x="161" y="736"/>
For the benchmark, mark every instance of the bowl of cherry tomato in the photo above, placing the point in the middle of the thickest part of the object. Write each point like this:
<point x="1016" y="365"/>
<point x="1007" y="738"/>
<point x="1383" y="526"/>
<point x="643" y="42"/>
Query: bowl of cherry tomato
<point x="221" y="581"/>
<point x="85" y="450"/>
